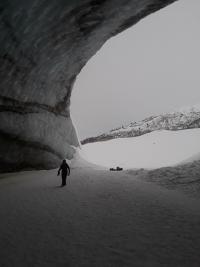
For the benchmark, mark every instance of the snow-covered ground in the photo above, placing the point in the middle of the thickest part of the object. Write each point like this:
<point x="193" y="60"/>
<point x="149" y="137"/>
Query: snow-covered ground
<point x="103" y="218"/>
<point x="100" y="219"/>
<point x="153" y="150"/>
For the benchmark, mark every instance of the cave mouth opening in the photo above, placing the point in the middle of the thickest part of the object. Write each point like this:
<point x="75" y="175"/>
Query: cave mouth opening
<point x="149" y="69"/>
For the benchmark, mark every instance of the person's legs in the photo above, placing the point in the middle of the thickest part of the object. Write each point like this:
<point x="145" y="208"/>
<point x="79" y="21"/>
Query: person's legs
<point x="64" y="176"/>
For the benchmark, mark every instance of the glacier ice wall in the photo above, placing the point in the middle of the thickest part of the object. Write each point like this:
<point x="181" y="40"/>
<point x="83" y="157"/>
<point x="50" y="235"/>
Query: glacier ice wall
<point x="43" y="46"/>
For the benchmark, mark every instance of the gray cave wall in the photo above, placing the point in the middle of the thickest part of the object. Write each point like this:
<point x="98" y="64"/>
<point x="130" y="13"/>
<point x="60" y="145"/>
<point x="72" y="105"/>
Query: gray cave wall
<point x="43" y="46"/>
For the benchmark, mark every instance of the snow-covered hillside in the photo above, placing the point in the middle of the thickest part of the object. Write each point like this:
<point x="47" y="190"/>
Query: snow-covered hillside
<point x="152" y="150"/>
<point x="186" y="118"/>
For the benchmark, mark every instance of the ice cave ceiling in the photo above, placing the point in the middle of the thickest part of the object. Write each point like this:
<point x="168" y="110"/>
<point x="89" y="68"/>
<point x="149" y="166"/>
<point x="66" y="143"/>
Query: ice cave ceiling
<point x="43" y="46"/>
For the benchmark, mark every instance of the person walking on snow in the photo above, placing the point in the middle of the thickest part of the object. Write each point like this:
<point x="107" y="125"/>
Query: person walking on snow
<point x="65" y="169"/>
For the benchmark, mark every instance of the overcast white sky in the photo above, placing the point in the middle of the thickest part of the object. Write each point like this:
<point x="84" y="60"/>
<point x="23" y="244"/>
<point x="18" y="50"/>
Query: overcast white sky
<point x="152" y="68"/>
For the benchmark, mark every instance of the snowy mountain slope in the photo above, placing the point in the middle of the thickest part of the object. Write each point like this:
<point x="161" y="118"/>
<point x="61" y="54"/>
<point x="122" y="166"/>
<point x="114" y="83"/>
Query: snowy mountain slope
<point x="152" y="150"/>
<point x="186" y="118"/>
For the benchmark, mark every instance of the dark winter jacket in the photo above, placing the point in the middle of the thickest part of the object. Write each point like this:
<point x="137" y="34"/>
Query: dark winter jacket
<point x="64" y="167"/>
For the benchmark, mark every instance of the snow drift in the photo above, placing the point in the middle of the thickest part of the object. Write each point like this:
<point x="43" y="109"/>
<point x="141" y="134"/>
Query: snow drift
<point x="153" y="150"/>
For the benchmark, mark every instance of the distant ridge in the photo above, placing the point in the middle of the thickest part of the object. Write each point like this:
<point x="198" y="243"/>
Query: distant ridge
<point x="185" y="118"/>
